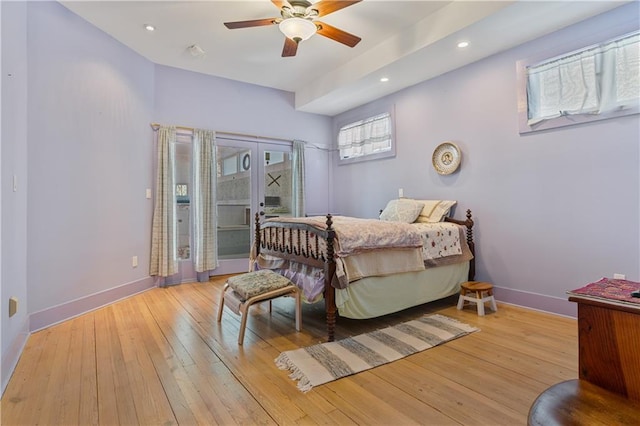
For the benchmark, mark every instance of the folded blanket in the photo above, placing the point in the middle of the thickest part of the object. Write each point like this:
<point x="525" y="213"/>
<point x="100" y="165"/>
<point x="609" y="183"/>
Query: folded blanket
<point x="355" y="235"/>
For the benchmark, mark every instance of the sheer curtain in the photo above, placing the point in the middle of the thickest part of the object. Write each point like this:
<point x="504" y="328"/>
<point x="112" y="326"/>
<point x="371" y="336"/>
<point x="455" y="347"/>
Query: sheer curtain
<point x="163" y="238"/>
<point x="203" y="203"/>
<point x="366" y="137"/>
<point x="595" y="80"/>
<point x="297" y="177"/>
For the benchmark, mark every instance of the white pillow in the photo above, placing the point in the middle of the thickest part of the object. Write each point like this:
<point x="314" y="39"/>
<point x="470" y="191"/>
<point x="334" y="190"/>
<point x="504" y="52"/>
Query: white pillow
<point x="402" y="210"/>
<point x="434" y="210"/>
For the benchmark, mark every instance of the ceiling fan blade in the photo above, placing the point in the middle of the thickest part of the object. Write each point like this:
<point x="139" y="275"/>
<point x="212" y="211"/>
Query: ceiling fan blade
<point x="290" y="48"/>
<point x="336" y="34"/>
<point x="252" y="23"/>
<point x="325" y="7"/>
<point x="279" y="3"/>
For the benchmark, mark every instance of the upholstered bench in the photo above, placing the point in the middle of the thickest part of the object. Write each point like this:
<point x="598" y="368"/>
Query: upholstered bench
<point x="482" y="292"/>
<point x="242" y="291"/>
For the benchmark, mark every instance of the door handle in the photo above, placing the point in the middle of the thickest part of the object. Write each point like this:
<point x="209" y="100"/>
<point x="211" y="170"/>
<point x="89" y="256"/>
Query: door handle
<point x="261" y="213"/>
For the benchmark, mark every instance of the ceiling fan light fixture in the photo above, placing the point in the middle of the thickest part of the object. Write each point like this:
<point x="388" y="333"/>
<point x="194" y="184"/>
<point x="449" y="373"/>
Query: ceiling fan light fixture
<point x="297" y="29"/>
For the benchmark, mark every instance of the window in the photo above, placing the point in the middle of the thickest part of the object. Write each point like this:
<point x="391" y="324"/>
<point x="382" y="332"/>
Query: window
<point x="230" y="166"/>
<point x="594" y="83"/>
<point x="182" y="170"/>
<point x="371" y="137"/>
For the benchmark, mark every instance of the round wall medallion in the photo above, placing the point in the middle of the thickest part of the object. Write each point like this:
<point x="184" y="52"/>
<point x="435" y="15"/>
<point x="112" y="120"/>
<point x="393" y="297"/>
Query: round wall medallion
<point x="446" y="158"/>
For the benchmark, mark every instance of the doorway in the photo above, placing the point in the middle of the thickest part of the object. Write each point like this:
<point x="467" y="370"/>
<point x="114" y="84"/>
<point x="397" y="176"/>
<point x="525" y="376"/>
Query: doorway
<point x="252" y="177"/>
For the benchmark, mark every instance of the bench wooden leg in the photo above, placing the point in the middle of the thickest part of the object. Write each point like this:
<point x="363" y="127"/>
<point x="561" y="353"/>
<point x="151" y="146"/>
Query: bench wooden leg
<point x="221" y="303"/>
<point x="244" y="309"/>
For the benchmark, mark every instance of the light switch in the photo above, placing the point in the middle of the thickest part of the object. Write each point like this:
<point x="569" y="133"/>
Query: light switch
<point x="148" y="193"/>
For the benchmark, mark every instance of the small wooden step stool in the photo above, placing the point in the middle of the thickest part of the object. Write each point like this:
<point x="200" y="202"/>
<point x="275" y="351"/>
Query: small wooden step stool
<point x="483" y="292"/>
<point x="242" y="291"/>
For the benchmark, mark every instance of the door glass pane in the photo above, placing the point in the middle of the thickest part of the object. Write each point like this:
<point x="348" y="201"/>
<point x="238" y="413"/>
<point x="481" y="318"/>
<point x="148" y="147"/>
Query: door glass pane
<point x="182" y="189"/>
<point x="233" y="202"/>
<point x="277" y="183"/>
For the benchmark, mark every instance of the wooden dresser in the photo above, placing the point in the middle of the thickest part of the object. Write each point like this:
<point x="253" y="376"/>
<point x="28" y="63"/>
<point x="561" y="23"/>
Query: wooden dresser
<point x="607" y="391"/>
<point x="609" y="345"/>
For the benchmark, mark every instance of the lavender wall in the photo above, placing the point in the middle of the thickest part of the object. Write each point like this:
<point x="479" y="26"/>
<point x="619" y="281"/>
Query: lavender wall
<point x="554" y="210"/>
<point x="14" y="330"/>
<point x="191" y="99"/>
<point x="90" y="100"/>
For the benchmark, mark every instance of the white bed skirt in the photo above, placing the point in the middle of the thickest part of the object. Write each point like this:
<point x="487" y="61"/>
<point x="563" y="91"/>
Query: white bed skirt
<point x="375" y="296"/>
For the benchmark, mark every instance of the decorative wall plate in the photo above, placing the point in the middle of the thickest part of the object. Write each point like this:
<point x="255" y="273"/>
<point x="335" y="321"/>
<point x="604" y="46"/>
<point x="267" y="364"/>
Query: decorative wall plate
<point x="446" y="158"/>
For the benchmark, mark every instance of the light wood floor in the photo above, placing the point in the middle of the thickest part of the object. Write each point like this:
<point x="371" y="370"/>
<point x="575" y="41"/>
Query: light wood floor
<point x="161" y="358"/>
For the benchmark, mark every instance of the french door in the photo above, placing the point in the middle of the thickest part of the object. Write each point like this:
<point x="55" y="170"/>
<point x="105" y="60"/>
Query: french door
<point x="253" y="177"/>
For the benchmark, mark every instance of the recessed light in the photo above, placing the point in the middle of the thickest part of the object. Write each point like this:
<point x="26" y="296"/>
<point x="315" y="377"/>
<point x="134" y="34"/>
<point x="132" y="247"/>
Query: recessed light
<point x="463" y="44"/>
<point x="384" y="79"/>
<point x="149" y="27"/>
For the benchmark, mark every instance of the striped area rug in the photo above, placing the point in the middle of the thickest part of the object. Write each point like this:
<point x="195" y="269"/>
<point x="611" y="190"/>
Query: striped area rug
<point x="326" y="362"/>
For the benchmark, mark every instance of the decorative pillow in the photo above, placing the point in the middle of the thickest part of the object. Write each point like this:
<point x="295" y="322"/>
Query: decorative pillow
<point x="434" y="210"/>
<point x="402" y="210"/>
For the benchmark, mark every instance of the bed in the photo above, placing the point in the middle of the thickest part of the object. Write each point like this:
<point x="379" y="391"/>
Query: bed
<point x="364" y="268"/>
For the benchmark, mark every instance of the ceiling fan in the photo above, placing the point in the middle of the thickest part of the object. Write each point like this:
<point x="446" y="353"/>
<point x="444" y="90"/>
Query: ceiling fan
<point x="297" y="22"/>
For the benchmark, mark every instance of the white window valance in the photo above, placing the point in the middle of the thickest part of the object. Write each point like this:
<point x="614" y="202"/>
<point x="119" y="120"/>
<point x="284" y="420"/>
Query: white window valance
<point x="370" y="136"/>
<point x="594" y="80"/>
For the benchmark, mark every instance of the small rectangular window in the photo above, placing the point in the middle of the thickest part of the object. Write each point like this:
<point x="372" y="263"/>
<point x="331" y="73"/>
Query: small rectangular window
<point x="230" y="165"/>
<point x="368" y="138"/>
<point x="593" y="83"/>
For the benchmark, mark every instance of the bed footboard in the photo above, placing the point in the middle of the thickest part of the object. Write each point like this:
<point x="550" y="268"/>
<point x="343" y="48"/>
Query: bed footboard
<point x="278" y="239"/>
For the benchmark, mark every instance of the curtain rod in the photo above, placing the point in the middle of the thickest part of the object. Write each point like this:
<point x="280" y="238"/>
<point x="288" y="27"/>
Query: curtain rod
<point x="155" y="126"/>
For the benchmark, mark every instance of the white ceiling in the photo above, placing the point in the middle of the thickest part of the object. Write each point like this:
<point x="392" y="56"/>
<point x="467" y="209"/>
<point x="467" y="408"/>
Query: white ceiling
<point x="406" y="41"/>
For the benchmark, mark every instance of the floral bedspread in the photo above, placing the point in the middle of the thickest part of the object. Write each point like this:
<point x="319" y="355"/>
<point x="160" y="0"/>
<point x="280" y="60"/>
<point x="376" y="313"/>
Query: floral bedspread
<point x="439" y="239"/>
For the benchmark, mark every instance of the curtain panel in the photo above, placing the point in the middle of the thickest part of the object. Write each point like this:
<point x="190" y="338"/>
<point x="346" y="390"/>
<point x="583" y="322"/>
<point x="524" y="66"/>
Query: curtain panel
<point x="297" y="175"/>
<point x="163" y="235"/>
<point x="203" y="203"/>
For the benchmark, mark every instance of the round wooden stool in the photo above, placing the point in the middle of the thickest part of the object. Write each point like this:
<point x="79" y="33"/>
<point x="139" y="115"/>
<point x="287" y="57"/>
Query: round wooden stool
<point x="482" y="292"/>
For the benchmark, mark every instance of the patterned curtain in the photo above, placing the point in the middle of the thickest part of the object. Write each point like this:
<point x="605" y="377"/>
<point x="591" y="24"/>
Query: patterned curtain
<point x="203" y="203"/>
<point x="297" y="177"/>
<point x="163" y="239"/>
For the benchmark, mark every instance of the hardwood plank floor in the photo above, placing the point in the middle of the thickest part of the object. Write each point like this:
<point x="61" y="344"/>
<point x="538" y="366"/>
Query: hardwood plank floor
<point x="160" y="357"/>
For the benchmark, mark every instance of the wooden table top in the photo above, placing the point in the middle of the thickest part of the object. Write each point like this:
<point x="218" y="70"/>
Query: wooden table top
<point x="578" y="402"/>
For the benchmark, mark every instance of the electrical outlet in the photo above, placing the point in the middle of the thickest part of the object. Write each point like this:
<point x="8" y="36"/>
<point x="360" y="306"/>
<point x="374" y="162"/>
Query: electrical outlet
<point x="619" y="277"/>
<point x="148" y="193"/>
<point x="134" y="261"/>
<point x="13" y="306"/>
<point x="400" y="193"/>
